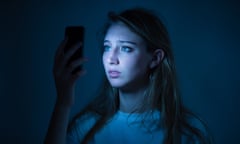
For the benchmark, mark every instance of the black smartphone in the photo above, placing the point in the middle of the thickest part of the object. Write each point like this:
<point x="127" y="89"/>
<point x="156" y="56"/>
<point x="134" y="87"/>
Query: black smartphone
<point x="75" y="34"/>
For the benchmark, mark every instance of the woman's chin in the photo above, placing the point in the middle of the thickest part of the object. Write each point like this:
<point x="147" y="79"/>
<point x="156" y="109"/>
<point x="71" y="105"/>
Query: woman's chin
<point x="114" y="85"/>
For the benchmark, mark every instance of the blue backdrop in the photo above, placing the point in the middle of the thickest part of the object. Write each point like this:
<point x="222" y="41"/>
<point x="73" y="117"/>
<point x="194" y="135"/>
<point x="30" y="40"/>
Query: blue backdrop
<point x="205" y="39"/>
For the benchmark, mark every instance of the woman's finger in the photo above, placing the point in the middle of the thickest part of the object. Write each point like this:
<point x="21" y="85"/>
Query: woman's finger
<point x="60" y="50"/>
<point x="76" y="75"/>
<point x="68" y="54"/>
<point x="76" y="63"/>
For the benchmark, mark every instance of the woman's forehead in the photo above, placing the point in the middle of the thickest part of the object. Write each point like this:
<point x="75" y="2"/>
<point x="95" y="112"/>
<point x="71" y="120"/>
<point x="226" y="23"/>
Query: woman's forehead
<point x="120" y="32"/>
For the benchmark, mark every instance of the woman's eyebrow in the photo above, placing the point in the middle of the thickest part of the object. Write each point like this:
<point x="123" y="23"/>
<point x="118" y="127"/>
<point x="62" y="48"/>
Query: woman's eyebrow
<point x="130" y="42"/>
<point x="123" y="41"/>
<point x="106" y="41"/>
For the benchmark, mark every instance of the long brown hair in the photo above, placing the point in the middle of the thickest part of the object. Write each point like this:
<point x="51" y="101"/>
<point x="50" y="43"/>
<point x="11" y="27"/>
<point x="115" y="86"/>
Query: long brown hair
<point x="162" y="93"/>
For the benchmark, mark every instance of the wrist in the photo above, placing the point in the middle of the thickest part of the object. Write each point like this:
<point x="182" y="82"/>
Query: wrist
<point x="63" y="104"/>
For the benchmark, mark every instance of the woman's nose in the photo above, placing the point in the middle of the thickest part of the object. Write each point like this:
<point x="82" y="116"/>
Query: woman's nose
<point x="113" y="58"/>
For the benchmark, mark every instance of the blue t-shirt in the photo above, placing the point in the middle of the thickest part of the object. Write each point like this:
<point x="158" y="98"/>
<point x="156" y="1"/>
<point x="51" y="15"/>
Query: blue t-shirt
<point x="123" y="128"/>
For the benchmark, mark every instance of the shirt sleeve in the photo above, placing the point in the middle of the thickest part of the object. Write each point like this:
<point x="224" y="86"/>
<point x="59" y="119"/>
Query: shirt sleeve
<point x="81" y="128"/>
<point x="72" y="137"/>
<point x="191" y="138"/>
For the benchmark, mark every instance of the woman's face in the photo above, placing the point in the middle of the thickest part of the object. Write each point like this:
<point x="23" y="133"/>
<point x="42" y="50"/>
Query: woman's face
<point x="125" y="58"/>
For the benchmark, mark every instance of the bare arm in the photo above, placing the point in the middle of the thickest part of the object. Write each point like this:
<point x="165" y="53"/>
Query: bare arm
<point x="57" y="130"/>
<point x="65" y="82"/>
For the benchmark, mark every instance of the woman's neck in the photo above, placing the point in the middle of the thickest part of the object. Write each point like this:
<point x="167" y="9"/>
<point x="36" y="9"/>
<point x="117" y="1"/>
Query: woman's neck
<point x="131" y="101"/>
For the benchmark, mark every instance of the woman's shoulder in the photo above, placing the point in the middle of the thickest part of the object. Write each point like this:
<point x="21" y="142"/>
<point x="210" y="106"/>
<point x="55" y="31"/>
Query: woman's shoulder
<point x="196" y="130"/>
<point x="82" y="125"/>
<point x="198" y="123"/>
<point x="86" y="121"/>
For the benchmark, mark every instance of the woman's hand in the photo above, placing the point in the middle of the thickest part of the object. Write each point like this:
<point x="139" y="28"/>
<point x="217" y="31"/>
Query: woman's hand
<point x="65" y="79"/>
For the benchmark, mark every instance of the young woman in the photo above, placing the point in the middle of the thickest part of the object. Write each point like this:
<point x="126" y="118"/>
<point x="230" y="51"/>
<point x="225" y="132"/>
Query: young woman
<point x="140" y="101"/>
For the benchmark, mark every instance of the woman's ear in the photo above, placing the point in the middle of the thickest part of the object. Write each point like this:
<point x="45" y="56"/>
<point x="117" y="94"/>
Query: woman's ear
<point x="157" y="57"/>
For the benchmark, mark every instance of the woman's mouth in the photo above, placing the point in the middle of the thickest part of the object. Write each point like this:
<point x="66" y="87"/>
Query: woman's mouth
<point x="114" y="74"/>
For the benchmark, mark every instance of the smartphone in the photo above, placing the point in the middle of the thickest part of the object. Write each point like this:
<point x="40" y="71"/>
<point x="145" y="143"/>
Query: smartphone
<point x="75" y="34"/>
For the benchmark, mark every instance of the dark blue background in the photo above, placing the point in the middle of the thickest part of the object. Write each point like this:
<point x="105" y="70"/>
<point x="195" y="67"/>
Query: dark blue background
<point x="205" y="39"/>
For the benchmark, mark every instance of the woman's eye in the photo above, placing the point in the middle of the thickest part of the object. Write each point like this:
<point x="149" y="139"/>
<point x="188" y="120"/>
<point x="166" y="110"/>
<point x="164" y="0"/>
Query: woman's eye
<point x="106" y="48"/>
<point x="126" y="49"/>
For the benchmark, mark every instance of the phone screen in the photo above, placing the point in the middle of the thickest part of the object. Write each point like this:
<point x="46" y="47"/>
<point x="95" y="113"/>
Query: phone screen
<point x="74" y="34"/>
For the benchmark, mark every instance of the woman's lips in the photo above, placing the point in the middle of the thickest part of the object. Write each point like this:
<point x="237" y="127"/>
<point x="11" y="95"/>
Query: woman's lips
<point x="114" y="73"/>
